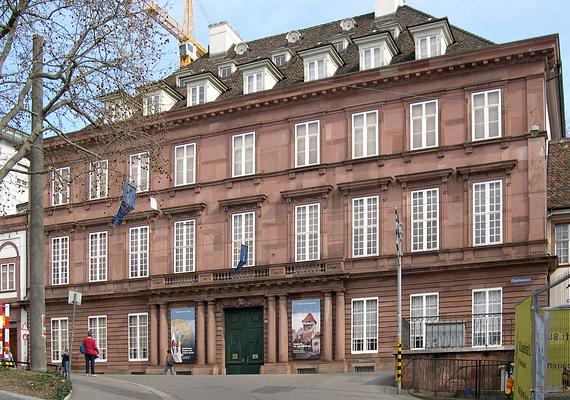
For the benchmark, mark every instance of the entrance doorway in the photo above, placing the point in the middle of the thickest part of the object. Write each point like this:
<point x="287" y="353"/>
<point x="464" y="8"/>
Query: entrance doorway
<point x="244" y="340"/>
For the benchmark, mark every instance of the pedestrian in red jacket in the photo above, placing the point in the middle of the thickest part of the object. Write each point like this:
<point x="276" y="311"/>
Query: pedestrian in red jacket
<point x="91" y="353"/>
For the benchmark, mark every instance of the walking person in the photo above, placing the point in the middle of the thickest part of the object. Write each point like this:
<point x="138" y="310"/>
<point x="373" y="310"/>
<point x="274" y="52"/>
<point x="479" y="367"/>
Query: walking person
<point x="91" y="352"/>
<point x="65" y="363"/>
<point x="169" y="363"/>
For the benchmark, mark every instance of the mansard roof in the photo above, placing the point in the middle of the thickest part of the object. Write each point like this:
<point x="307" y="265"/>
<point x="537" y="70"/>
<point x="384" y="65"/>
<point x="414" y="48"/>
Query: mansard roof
<point x="559" y="174"/>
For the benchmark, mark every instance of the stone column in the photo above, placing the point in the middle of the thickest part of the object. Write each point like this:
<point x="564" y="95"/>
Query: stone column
<point x="327" y="351"/>
<point x="340" y="333"/>
<point x="153" y="335"/>
<point x="211" y="332"/>
<point x="271" y="330"/>
<point x="164" y="342"/>
<point x="201" y="334"/>
<point x="283" y="330"/>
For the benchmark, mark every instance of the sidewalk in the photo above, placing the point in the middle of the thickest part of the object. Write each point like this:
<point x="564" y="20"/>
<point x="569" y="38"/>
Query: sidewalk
<point x="14" y="396"/>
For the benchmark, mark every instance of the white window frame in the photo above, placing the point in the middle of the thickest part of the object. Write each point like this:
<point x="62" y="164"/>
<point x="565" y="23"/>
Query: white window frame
<point x="57" y="347"/>
<point x="197" y="94"/>
<point x="423" y="122"/>
<point x="367" y="252"/>
<point x="99" y="180"/>
<point x="424" y="222"/>
<point x="371" y="50"/>
<point x="61" y="263"/>
<point x="487" y="238"/>
<point x="60" y="186"/>
<point x="185" y="246"/>
<point x="486" y="107"/>
<point x="242" y="157"/>
<point x="307" y="146"/>
<point x="428" y="38"/>
<point x="423" y="317"/>
<point x="98" y="259"/>
<point x="139" y="350"/>
<point x="223" y="68"/>
<point x="305" y="235"/>
<point x="562" y="259"/>
<point x="276" y="56"/>
<point x="189" y="152"/>
<point x="138" y="256"/>
<point x="97" y="332"/>
<point x="365" y="135"/>
<point x="8" y="277"/>
<point x="487" y="318"/>
<point x="239" y="237"/>
<point x="256" y="79"/>
<point x="136" y="178"/>
<point x="152" y="104"/>
<point x="365" y="337"/>
<point x="315" y="65"/>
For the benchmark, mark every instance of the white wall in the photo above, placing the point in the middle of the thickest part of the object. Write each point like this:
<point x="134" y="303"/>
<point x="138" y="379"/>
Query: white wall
<point x="14" y="188"/>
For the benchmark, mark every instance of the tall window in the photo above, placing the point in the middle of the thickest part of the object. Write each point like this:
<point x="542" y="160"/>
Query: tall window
<point x="138" y="337"/>
<point x="97" y="256"/>
<point x="486" y="114"/>
<point x="307" y="232"/>
<point x="197" y="95"/>
<point x="487" y="212"/>
<point x="243" y="232"/>
<point x="253" y="82"/>
<point x="98" y="178"/>
<point x="423" y="309"/>
<point x="365" y="134"/>
<point x="365" y="325"/>
<point x="59" y="338"/>
<point x="138" y="252"/>
<point x="8" y="276"/>
<point x="425" y="220"/>
<point x="315" y="69"/>
<point x="365" y="226"/>
<point x="60" y="260"/>
<point x="429" y="46"/>
<point x="487" y="317"/>
<point x="562" y="242"/>
<point x="98" y="327"/>
<point x="153" y="104"/>
<point x="60" y="186"/>
<point x="423" y="124"/>
<point x="371" y="58"/>
<point x="185" y="164"/>
<point x="184" y="251"/>
<point x="139" y="171"/>
<point x="307" y="144"/>
<point x="243" y="154"/>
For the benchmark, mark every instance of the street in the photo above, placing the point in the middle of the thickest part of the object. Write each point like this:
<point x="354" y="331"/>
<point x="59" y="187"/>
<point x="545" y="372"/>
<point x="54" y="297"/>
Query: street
<point x="235" y="387"/>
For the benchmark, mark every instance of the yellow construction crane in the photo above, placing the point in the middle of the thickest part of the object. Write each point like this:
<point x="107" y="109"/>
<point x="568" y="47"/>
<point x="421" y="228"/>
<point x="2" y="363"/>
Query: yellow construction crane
<point x="189" y="49"/>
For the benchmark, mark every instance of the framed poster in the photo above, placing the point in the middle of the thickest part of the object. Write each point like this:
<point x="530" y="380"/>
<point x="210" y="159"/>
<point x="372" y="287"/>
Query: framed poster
<point x="183" y="333"/>
<point x="306" y="329"/>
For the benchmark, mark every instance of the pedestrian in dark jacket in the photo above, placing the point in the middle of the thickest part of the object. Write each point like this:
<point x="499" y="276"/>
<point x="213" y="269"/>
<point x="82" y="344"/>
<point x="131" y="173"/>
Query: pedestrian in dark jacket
<point x="65" y="363"/>
<point x="169" y="363"/>
<point x="91" y="353"/>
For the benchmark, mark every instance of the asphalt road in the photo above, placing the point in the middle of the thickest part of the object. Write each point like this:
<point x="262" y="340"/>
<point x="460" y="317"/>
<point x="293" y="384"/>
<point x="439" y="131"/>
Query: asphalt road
<point x="235" y="387"/>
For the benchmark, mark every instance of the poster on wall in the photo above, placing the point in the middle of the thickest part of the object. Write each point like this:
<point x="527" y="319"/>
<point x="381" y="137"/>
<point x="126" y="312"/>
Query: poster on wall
<point x="306" y="329"/>
<point x="183" y="332"/>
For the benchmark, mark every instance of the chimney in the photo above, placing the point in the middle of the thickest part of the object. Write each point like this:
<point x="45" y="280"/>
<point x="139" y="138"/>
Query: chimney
<point x="222" y="36"/>
<point x="385" y="8"/>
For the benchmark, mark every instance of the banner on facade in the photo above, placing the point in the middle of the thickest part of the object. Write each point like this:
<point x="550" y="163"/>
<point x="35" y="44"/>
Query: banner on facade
<point x="558" y="363"/>
<point x="183" y="333"/>
<point x="306" y="329"/>
<point x="523" y="351"/>
<point x="541" y="339"/>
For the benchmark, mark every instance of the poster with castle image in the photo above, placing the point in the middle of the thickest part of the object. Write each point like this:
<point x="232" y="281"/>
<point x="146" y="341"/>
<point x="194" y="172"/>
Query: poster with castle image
<point x="306" y="329"/>
<point x="183" y="333"/>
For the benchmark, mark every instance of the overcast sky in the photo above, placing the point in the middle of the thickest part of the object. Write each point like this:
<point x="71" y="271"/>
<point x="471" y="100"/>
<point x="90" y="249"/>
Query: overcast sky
<point x="500" y="21"/>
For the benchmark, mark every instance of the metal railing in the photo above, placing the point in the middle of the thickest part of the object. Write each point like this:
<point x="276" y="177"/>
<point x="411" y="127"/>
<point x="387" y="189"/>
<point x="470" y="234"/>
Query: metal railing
<point x="459" y="331"/>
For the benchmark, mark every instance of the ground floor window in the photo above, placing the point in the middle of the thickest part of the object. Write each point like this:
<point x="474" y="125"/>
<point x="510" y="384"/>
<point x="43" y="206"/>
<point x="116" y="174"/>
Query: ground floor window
<point x="423" y="310"/>
<point x="138" y="337"/>
<point x="59" y="338"/>
<point x="365" y="325"/>
<point x="487" y="317"/>
<point x="98" y="328"/>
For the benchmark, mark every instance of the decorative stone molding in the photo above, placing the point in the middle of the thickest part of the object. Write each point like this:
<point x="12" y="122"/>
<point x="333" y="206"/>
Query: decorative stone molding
<point x="255" y="200"/>
<point x="321" y="191"/>
<point x="347" y="187"/>
<point x="442" y="174"/>
<point x="187" y="208"/>
<point x="506" y="166"/>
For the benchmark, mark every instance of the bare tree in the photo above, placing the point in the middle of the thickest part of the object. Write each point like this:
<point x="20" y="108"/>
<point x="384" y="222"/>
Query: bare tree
<point x="93" y="48"/>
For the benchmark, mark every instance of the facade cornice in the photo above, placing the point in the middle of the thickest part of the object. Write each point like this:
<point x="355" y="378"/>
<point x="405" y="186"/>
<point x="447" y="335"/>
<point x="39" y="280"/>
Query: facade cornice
<point x="187" y="208"/>
<point x="506" y="166"/>
<point x="321" y="191"/>
<point x="442" y="174"/>
<point x="347" y="187"/>
<point x="256" y="200"/>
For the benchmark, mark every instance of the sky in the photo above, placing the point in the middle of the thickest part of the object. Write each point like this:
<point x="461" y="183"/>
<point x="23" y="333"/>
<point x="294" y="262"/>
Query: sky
<point x="500" y="21"/>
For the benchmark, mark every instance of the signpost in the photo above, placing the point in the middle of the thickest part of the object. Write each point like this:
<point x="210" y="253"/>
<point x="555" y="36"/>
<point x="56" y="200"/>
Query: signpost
<point x="399" y="339"/>
<point x="75" y="299"/>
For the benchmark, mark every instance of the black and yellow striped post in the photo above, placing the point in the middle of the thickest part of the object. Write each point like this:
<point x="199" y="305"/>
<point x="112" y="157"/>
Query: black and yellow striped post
<point x="399" y="362"/>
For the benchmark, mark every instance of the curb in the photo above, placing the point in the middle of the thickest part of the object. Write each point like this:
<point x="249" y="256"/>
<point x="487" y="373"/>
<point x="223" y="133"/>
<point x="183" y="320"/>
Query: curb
<point x="68" y="397"/>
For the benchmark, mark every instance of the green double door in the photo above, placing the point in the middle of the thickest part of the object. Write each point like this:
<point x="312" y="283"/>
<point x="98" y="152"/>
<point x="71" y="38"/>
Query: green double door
<point x="244" y="340"/>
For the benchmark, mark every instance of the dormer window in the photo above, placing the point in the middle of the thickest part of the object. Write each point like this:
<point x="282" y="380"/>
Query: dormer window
<point x="340" y="44"/>
<point x="293" y="37"/>
<point x="281" y="57"/>
<point x="375" y="50"/>
<point x="431" y="39"/>
<point x="201" y="88"/>
<point x="159" y="97"/>
<point x="241" y="48"/>
<point x="259" y="75"/>
<point x="320" y="62"/>
<point x="226" y="70"/>
<point x="152" y="104"/>
<point x="116" y="110"/>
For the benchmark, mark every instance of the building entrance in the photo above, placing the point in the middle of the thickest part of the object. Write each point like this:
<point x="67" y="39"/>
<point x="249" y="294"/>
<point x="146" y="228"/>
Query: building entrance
<point x="244" y="340"/>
